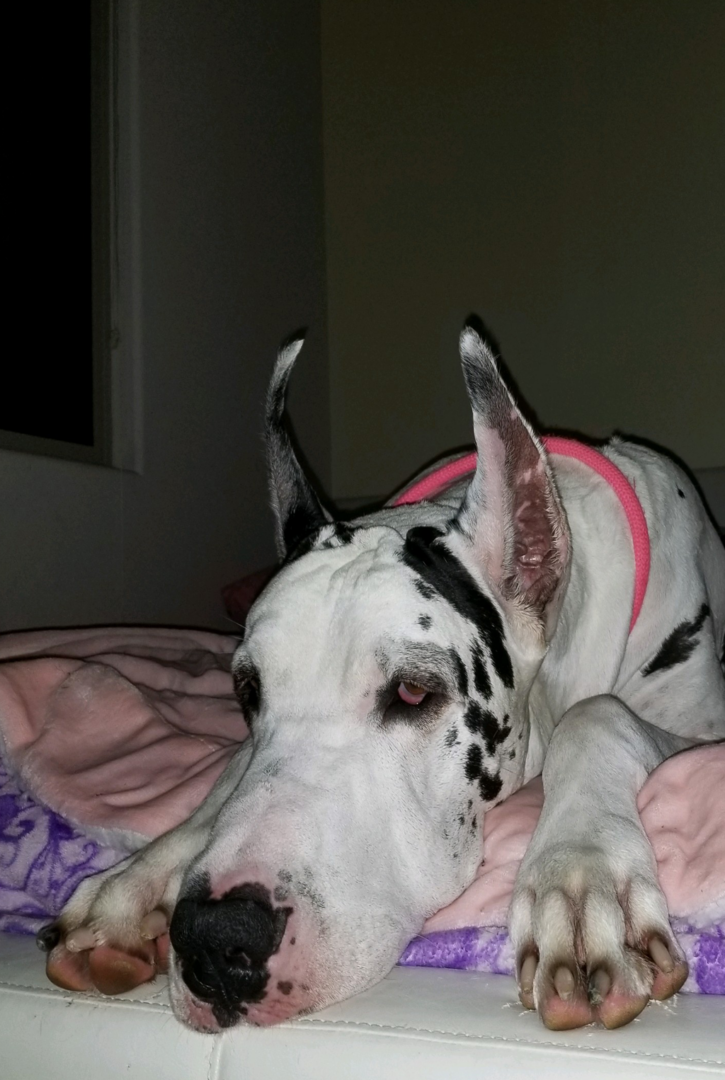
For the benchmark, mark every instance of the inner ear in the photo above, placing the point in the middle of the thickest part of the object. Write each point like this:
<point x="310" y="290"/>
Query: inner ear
<point x="512" y="513"/>
<point x="536" y="527"/>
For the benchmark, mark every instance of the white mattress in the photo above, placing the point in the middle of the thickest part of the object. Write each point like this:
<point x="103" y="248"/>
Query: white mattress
<point x="418" y="1023"/>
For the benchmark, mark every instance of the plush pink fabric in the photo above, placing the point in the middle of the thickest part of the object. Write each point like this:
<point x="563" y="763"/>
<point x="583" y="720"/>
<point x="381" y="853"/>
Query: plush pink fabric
<point x="682" y="806"/>
<point x="119" y="728"/>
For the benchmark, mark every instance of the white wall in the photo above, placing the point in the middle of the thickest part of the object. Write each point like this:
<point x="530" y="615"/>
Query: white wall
<point x="231" y="260"/>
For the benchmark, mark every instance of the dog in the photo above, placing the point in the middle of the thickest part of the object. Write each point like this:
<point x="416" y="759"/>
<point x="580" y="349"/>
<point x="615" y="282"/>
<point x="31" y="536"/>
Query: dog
<point x="401" y="674"/>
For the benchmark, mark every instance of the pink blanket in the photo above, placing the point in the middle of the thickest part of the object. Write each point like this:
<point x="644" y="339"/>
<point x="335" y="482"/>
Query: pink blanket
<point x="127" y="729"/>
<point x="119" y="728"/>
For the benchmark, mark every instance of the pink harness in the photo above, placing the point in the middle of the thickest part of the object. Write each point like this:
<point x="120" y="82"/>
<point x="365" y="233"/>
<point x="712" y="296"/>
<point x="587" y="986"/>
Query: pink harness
<point x="440" y="479"/>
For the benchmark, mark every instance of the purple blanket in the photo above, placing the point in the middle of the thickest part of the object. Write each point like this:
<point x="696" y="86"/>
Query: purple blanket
<point x="43" y="858"/>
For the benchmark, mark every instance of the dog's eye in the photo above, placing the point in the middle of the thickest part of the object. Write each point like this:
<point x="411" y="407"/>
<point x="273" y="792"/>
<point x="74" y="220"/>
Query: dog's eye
<point x="411" y="694"/>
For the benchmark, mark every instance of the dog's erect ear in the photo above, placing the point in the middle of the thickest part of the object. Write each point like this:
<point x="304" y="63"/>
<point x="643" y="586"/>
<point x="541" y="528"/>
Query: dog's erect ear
<point x="512" y="514"/>
<point x="297" y="509"/>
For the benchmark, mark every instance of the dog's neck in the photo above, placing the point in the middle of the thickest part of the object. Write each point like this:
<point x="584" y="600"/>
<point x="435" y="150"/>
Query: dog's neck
<point x="596" y="610"/>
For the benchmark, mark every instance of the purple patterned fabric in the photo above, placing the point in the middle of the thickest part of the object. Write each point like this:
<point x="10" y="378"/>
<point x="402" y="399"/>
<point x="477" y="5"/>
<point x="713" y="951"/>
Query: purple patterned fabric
<point x="43" y="857"/>
<point x="488" y="948"/>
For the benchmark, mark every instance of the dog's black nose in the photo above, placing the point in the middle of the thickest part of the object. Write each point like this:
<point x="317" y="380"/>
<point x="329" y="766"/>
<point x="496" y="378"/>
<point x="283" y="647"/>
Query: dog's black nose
<point x="223" y="947"/>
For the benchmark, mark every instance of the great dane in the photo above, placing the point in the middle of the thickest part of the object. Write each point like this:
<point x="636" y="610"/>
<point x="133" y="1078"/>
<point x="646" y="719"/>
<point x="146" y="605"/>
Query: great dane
<point x="401" y="674"/>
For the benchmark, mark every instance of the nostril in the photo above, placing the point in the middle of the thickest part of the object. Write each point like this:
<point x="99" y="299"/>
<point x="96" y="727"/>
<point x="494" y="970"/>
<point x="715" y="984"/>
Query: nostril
<point x="237" y="957"/>
<point x="224" y="943"/>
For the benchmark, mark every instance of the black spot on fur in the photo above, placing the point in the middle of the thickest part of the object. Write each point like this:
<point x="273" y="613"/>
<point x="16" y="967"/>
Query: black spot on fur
<point x="474" y="824"/>
<point x="444" y="575"/>
<point x="480" y="672"/>
<point x="425" y="590"/>
<point x="679" y="645"/>
<point x="470" y="804"/>
<point x="299" y="531"/>
<point x="680" y="493"/>
<point x="489" y="784"/>
<point x="344" y="532"/>
<point x="482" y="722"/>
<point x="512" y="754"/>
<point x="451" y="737"/>
<point x="461" y="819"/>
<point x="284" y="987"/>
<point x="425" y="621"/>
<point x="297" y="546"/>
<point x="473" y="718"/>
<point x="340" y="534"/>
<point x="461" y="673"/>
<point x="474" y="762"/>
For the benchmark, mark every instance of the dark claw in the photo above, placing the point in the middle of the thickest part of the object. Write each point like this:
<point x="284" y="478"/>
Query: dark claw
<point x="48" y="937"/>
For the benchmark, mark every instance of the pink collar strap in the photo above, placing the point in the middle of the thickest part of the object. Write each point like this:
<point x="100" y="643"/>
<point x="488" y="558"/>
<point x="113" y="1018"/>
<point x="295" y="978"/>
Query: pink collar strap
<point x="448" y="474"/>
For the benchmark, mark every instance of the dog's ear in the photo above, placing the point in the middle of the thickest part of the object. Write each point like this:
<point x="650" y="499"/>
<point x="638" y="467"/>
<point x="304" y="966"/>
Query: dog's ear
<point x="512" y="515"/>
<point x="297" y="509"/>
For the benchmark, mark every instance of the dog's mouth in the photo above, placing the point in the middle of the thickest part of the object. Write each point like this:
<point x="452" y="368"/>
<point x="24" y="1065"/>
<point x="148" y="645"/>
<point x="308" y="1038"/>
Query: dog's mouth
<point x="266" y="999"/>
<point x="229" y="996"/>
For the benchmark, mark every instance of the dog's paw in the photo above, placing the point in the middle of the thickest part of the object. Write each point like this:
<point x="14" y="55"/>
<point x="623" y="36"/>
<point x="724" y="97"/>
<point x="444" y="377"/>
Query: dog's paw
<point x="113" y="933"/>
<point x="592" y="943"/>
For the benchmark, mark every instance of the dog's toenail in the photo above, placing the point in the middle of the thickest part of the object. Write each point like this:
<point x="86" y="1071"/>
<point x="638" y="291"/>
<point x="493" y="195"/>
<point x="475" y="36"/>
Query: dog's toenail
<point x="564" y="983"/>
<point x="528" y="971"/>
<point x="600" y="984"/>
<point x="47" y="938"/>
<point x="81" y="939"/>
<point x="154" y="925"/>
<point x="661" y="955"/>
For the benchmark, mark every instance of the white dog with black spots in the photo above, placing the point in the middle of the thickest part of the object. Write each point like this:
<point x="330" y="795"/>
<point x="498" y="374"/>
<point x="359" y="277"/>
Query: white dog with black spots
<point x="401" y="674"/>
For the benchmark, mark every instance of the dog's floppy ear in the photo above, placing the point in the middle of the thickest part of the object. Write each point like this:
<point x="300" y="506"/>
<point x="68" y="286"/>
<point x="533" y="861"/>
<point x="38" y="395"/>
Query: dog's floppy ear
<point x="297" y="509"/>
<point x="512" y="514"/>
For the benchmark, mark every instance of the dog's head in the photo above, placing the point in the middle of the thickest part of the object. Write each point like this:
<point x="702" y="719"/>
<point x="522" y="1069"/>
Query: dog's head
<point x="384" y="675"/>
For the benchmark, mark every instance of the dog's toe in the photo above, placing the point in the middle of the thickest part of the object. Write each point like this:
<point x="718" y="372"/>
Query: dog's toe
<point x="562" y="999"/>
<point x="69" y="971"/>
<point x="114" y="971"/>
<point x="619" y="1008"/>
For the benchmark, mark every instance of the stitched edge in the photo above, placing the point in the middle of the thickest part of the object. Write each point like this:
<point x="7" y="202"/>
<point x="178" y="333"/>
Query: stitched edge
<point x="388" y="1029"/>
<point x="79" y="995"/>
<point x="513" y="1040"/>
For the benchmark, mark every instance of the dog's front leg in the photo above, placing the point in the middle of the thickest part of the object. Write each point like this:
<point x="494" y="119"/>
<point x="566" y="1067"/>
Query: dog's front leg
<point x="589" y="921"/>
<point x="113" y="932"/>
